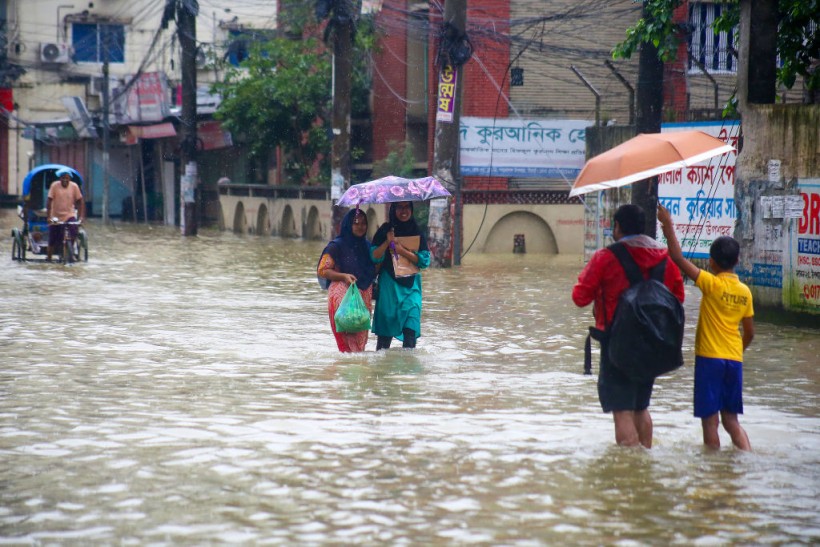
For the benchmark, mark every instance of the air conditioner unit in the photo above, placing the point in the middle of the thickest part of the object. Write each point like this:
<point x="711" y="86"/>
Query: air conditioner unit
<point x="55" y="52"/>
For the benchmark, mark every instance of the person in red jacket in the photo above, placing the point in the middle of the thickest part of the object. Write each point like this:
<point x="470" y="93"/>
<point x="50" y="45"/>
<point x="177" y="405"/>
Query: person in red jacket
<point x="601" y="282"/>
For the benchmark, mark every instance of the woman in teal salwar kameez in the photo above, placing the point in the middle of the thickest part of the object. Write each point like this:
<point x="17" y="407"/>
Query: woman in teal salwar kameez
<point x="398" y="306"/>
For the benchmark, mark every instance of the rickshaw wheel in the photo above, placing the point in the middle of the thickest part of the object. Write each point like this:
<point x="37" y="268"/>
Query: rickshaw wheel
<point x="82" y="238"/>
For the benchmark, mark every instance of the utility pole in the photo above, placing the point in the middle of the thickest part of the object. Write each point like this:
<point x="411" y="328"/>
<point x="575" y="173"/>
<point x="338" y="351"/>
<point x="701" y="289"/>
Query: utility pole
<point x="446" y="223"/>
<point x="342" y="69"/>
<point x="105" y="124"/>
<point x="186" y="28"/>
<point x="757" y="69"/>
<point x="650" y="112"/>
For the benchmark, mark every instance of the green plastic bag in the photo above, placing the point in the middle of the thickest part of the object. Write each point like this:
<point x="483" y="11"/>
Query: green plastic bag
<point x="352" y="315"/>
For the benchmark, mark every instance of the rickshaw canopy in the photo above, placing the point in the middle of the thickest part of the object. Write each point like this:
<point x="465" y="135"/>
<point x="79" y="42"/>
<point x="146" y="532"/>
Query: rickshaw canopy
<point x="45" y="175"/>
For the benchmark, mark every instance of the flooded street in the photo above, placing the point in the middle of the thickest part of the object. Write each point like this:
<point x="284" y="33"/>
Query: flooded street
<point x="188" y="391"/>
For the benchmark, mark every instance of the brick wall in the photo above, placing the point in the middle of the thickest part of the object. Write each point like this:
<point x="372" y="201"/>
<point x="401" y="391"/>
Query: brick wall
<point x="484" y="81"/>
<point x="390" y="78"/>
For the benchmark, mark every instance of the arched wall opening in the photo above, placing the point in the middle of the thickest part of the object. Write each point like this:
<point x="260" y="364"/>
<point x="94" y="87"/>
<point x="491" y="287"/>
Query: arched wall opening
<point x="288" y="226"/>
<point x="262" y="222"/>
<point x="538" y="236"/>
<point x="313" y="228"/>
<point x="221" y="219"/>
<point x="239" y="219"/>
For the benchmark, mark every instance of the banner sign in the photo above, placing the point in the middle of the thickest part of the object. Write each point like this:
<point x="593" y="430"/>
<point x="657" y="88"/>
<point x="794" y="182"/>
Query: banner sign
<point x="148" y="100"/>
<point x="507" y="147"/>
<point x="446" y="105"/>
<point x="806" y="250"/>
<point x="701" y="198"/>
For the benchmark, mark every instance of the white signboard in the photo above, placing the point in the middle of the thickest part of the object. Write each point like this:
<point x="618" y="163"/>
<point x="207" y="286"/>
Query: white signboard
<point x="507" y="147"/>
<point x="701" y="198"/>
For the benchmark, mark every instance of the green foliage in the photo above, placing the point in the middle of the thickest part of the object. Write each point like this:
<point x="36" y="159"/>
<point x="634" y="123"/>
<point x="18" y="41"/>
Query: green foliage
<point x="399" y="161"/>
<point x="279" y="97"/>
<point x="294" y="16"/>
<point x="362" y="76"/>
<point x="730" y="108"/>
<point x="798" y="43"/>
<point x="656" y="27"/>
<point x="728" y="19"/>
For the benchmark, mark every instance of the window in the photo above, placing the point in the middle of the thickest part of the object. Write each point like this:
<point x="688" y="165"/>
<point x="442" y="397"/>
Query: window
<point x="90" y="39"/>
<point x="712" y="51"/>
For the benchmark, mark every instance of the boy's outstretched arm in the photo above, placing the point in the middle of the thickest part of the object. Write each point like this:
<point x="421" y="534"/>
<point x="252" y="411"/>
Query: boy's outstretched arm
<point x="675" y="253"/>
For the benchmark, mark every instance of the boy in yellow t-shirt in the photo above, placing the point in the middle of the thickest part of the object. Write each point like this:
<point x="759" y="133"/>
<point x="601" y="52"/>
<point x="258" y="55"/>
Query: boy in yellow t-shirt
<point x="719" y="344"/>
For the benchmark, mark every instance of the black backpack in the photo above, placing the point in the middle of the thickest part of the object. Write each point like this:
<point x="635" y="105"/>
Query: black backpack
<point x="645" y="337"/>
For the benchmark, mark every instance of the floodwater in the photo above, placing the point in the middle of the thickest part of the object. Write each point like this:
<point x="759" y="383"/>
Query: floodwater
<point x="188" y="391"/>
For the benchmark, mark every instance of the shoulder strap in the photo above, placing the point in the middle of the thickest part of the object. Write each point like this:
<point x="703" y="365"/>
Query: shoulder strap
<point x="658" y="271"/>
<point x="631" y="269"/>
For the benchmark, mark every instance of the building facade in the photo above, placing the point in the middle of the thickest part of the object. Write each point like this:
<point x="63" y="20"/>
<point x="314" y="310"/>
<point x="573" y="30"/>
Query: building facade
<point x="58" y="54"/>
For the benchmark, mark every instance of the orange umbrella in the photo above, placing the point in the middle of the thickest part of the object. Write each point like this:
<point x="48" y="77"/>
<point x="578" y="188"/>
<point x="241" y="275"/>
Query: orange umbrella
<point x="645" y="156"/>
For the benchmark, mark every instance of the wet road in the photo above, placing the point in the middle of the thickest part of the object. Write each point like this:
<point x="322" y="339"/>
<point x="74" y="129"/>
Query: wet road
<point x="188" y="391"/>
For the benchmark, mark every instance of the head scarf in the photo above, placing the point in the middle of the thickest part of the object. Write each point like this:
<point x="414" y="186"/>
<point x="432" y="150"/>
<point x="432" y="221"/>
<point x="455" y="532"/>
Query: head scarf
<point x="400" y="229"/>
<point x="351" y="254"/>
<point x="63" y="171"/>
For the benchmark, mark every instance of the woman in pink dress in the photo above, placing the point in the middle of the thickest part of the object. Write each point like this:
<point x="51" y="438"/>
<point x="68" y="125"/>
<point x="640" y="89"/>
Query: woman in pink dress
<point x="346" y="260"/>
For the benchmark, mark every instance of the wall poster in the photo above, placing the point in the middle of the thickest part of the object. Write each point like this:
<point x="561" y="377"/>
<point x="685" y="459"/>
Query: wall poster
<point x="701" y="198"/>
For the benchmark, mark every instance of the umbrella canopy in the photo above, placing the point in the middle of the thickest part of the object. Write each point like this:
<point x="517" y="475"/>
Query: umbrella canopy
<point x="391" y="188"/>
<point x="645" y="156"/>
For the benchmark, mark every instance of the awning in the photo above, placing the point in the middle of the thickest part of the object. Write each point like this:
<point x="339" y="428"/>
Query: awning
<point x="156" y="131"/>
<point x="212" y="136"/>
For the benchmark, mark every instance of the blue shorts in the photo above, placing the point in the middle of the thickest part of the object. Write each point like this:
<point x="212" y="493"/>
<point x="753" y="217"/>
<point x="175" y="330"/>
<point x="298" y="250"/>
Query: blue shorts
<point x="718" y="386"/>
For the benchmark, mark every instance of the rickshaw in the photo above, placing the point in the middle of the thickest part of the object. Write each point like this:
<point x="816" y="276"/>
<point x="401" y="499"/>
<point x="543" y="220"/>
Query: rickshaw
<point x="33" y="238"/>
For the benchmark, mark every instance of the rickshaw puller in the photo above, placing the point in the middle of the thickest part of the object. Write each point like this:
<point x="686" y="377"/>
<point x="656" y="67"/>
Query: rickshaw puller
<point x="64" y="198"/>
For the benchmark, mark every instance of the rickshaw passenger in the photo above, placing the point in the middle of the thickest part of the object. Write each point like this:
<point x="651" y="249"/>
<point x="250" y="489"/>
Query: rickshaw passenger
<point x="64" y="197"/>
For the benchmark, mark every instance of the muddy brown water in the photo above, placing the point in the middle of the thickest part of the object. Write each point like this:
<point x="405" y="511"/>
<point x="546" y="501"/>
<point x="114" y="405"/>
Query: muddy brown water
<point x="188" y="391"/>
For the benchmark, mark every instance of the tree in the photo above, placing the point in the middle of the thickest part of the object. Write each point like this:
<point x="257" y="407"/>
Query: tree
<point x="280" y="97"/>
<point x="657" y="27"/>
<point x="798" y="40"/>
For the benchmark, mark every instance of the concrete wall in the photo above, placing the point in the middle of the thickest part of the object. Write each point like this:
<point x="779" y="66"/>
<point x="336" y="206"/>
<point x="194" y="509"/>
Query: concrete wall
<point x="298" y="218"/>
<point x="547" y="229"/>
<point x="779" y="219"/>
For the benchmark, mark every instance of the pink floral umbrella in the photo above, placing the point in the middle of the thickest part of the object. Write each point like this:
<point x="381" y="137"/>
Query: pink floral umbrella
<point x="390" y="189"/>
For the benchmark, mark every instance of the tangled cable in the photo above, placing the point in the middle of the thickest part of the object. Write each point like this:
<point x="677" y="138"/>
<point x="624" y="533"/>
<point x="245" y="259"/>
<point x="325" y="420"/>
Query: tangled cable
<point x="454" y="47"/>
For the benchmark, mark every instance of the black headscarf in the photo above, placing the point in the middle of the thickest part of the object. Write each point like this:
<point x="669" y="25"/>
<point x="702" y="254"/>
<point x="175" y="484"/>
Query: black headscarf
<point x="400" y="229"/>
<point x="351" y="254"/>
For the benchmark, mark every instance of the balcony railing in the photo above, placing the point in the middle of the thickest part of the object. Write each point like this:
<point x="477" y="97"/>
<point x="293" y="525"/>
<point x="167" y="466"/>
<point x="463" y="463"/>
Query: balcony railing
<point x="529" y="196"/>
<point x="275" y="192"/>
